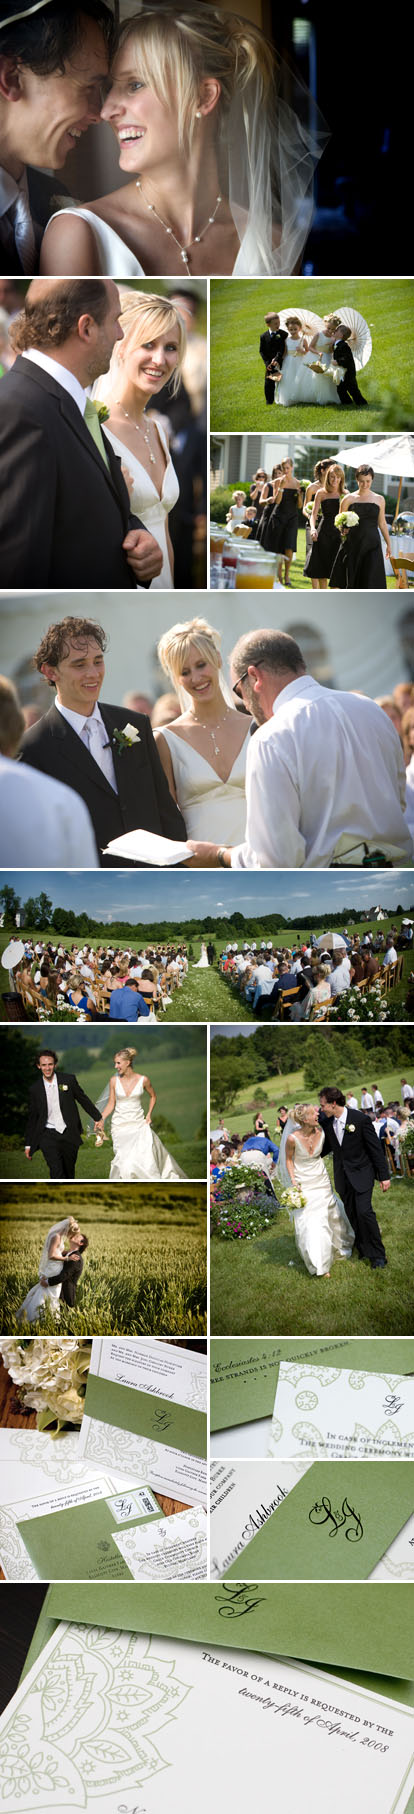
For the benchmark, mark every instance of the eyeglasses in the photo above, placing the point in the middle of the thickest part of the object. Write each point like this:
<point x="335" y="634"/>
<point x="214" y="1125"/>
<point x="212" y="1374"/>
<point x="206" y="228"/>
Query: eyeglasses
<point x="243" y="677"/>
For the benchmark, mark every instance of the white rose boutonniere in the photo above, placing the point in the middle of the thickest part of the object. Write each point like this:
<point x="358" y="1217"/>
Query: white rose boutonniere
<point x="125" y="739"/>
<point x="350" y="1127"/>
<point x="64" y="1086"/>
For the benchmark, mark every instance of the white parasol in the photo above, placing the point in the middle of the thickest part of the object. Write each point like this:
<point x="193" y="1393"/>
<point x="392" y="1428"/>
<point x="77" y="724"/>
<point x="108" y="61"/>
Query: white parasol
<point x="360" y="342"/>
<point x="13" y="954"/>
<point x="331" y="941"/>
<point x="310" y="323"/>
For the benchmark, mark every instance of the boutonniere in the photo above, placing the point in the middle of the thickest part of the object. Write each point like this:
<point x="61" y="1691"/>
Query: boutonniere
<point x="103" y="413"/>
<point x="349" y="1127"/>
<point x="63" y="1086"/>
<point x="124" y="740"/>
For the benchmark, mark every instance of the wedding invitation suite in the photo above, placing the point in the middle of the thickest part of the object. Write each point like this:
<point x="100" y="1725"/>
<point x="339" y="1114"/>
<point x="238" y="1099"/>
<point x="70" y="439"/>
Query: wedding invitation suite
<point x="36" y="1471"/>
<point x="175" y="1550"/>
<point x="327" y="1411"/>
<point x="244" y="1371"/>
<point x="145" y="1414"/>
<point x="72" y="1535"/>
<point x="335" y="1523"/>
<point x="242" y="1498"/>
<point x="120" y="1723"/>
<point x="398" y="1562"/>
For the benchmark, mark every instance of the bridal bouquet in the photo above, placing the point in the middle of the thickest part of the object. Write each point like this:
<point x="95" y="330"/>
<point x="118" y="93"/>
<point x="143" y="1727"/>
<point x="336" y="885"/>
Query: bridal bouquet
<point x="292" y="1199"/>
<point x="346" y="520"/>
<point x="51" y="1375"/>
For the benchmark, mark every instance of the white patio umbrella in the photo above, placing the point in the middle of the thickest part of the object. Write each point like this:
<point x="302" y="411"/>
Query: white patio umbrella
<point x="392" y="455"/>
<point x="360" y="342"/>
<point x="331" y="941"/>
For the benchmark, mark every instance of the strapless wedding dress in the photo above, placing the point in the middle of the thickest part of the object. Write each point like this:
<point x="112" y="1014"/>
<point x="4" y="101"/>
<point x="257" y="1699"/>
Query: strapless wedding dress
<point x="321" y="1227"/>
<point x="139" y="1155"/>
<point x="117" y="261"/>
<point x="146" y="502"/>
<point x="41" y="1296"/>
<point x="203" y="963"/>
<point x="213" y="810"/>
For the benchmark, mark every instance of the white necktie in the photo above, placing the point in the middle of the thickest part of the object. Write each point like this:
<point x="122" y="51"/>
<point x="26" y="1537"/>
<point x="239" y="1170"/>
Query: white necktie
<point x="24" y="232"/>
<point x="95" y="735"/>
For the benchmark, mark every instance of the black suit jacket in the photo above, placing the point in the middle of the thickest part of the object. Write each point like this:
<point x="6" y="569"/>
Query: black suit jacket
<point x="143" y="797"/>
<point x="70" y="1093"/>
<point x="343" y="356"/>
<point x="44" y="192"/>
<point x="360" y="1158"/>
<point x="68" y="1278"/>
<point x="272" y="346"/>
<point x="63" y="513"/>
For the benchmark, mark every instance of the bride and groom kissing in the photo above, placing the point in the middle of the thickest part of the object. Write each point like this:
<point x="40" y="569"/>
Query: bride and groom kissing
<point x="60" y="1268"/>
<point x="341" y="1219"/>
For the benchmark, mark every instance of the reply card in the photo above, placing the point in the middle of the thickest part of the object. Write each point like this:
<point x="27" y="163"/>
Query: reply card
<point x="70" y="1536"/>
<point x="109" y="1721"/>
<point x="242" y="1499"/>
<point x="145" y="1414"/>
<point x="34" y="1471"/>
<point x="328" y="1411"/>
<point x="175" y="1550"/>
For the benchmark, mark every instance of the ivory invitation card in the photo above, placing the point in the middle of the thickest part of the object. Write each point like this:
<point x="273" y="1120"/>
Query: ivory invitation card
<point x="175" y="1550"/>
<point x="336" y="1412"/>
<point x="110" y="1721"/>
<point x="242" y="1499"/>
<point x="145" y="1414"/>
<point x="244" y="1371"/>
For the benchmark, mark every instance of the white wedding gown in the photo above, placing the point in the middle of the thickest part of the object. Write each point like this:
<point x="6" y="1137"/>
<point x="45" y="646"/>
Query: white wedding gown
<point x="213" y="810"/>
<point x="41" y="1296"/>
<point x="146" y="502"/>
<point x="117" y="261"/>
<point x="298" y="383"/>
<point x="139" y="1155"/>
<point x="321" y="1227"/>
<point x="203" y="963"/>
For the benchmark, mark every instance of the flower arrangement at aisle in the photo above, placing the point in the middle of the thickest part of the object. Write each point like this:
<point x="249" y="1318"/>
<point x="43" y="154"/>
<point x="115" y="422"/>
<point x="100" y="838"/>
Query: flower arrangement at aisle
<point x="354" y="1004"/>
<point x="51" y="1375"/>
<point x="242" y="1204"/>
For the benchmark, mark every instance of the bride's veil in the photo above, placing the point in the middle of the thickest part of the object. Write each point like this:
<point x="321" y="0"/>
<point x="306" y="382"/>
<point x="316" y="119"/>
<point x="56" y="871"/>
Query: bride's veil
<point x="282" y="1174"/>
<point x="271" y="164"/>
<point x="59" y="1228"/>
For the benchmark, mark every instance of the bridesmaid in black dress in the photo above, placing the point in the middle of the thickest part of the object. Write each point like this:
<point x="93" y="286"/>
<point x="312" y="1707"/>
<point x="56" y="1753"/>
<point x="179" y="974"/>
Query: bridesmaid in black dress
<point x="267" y="537"/>
<point x="283" y="522"/>
<point x="326" y="542"/>
<point x="360" y="562"/>
<point x="319" y="474"/>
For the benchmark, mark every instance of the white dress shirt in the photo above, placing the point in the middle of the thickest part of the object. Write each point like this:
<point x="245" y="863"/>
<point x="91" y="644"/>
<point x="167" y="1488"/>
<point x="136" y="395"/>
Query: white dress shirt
<point x="339" y="1125"/>
<point x="60" y="374"/>
<point x="42" y="821"/>
<point x="390" y="957"/>
<point x="341" y="977"/>
<point x="407" y="1093"/>
<point x="367" y="1101"/>
<point x="323" y="775"/>
<point x="97" y="742"/>
<point x="352" y="1102"/>
<point x="54" y="1112"/>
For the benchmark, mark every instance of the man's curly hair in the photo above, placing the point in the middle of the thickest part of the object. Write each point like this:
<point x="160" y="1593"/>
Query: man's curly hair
<point x="55" y="645"/>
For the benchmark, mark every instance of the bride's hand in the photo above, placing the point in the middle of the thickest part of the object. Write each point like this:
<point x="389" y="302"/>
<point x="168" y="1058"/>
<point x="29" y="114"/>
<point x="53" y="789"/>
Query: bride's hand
<point x="128" y="479"/>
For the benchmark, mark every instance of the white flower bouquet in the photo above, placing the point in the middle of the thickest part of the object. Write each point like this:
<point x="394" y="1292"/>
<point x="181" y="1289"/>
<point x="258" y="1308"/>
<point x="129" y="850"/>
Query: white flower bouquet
<point x="346" y="520"/>
<point x="292" y="1200"/>
<point x="50" y="1374"/>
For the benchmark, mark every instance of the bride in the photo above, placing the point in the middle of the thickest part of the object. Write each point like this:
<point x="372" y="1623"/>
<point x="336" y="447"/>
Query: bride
<point x="221" y="169"/>
<point x="151" y="352"/>
<point x="139" y="1155"/>
<point x="321" y="1227"/>
<point x="203" y="753"/>
<point x="46" y="1293"/>
<point x="203" y="963"/>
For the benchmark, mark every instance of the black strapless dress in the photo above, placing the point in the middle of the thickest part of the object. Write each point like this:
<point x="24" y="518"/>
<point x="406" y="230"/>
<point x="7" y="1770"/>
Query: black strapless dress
<point x="360" y="562"/>
<point x="319" y="562"/>
<point x="282" y="524"/>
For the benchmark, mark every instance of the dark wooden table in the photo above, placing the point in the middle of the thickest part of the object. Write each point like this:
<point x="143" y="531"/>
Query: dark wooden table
<point x="19" y="1611"/>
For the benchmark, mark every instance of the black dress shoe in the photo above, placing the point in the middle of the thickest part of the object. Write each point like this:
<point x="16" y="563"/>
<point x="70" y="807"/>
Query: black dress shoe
<point x="378" y="1265"/>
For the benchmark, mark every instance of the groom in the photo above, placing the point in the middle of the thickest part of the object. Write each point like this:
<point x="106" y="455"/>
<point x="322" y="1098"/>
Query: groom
<point x="358" y="1160"/>
<point x="108" y="758"/>
<point x="65" y="518"/>
<point x="72" y="1267"/>
<point x="53" y="1122"/>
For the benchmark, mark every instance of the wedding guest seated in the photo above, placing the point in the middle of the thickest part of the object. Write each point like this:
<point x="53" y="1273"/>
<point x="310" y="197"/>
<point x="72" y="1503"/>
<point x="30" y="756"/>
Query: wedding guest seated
<point x="390" y="954"/>
<point x="78" y="998"/>
<point x="319" y="994"/>
<point x="127" y="1003"/>
<point x="340" y="977"/>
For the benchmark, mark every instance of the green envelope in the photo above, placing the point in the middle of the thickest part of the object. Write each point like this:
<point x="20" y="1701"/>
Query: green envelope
<point x="303" y="1539"/>
<point x="244" y="1372"/>
<point x="143" y="1413"/>
<point x="77" y="1544"/>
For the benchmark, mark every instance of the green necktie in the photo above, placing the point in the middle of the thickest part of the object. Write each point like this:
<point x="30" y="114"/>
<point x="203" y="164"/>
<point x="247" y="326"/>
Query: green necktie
<point x="91" y="419"/>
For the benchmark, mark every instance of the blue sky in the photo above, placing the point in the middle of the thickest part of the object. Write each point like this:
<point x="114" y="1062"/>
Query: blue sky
<point x="149" y="896"/>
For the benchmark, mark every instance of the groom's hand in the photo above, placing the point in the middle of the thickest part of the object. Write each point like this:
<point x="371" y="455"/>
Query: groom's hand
<point x="143" y="554"/>
<point x="385" y="1183"/>
<point x="27" y="1152"/>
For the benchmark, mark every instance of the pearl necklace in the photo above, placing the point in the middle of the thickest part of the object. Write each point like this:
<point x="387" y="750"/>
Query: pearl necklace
<point x="184" y="251"/>
<point x="140" y="431"/>
<point x="212" y="733"/>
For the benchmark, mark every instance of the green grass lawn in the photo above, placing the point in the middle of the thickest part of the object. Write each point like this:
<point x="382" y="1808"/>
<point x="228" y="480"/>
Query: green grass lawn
<point x="262" y="1287"/>
<point x="291" y="1088"/>
<point x="145" y="1272"/>
<point x="287" y="937"/>
<point x="237" y="397"/>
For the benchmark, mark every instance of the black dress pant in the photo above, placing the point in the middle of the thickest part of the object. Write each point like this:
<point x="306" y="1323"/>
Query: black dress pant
<point x="269" y="390"/>
<point x="349" y="392"/>
<point x="60" y="1153"/>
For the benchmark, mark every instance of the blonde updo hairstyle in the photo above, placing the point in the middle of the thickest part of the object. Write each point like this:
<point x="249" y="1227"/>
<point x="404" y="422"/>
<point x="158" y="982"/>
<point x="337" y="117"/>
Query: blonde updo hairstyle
<point x="126" y="1052"/>
<point x="174" y="648"/>
<point x="175" y="51"/>
<point x="144" y="316"/>
<point x="331" y="477"/>
<point x="300" y="1113"/>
